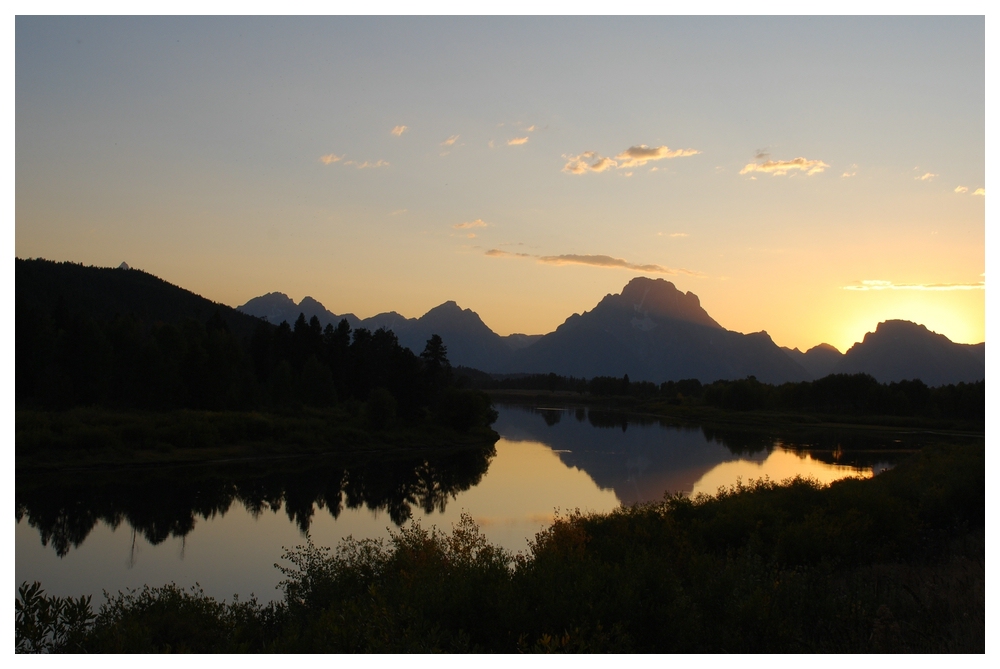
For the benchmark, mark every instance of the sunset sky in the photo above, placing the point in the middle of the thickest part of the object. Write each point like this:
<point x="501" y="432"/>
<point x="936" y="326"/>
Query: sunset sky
<point x="809" y="177"/>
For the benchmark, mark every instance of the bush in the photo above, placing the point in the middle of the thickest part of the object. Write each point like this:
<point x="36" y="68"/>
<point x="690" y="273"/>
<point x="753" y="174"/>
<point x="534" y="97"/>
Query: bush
<point x="464" y="410"/>
<point x="380" y="410"/>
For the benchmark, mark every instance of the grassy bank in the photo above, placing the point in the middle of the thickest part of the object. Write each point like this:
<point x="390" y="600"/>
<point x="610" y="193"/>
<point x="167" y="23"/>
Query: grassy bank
<point x="895" y="563"/>
<point x="772" y="419"/>
<point x="99" y="437"/>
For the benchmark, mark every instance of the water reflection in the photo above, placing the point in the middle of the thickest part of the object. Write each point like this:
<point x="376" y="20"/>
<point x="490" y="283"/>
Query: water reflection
<point x="167" y="502"/>
<point x="780" y="464"/>
<point x="83" y="532"/>
<point x="641" y="457"/>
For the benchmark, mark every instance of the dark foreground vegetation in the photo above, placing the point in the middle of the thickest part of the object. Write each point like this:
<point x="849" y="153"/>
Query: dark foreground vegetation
<point x="843" y="396"/>
<point x="895" y="563"/>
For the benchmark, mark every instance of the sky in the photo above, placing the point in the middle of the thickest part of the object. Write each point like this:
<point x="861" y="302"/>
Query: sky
<point x="809" y="177"/>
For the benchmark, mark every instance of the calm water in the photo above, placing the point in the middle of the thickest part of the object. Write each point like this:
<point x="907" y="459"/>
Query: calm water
<point x="225" y="529"/>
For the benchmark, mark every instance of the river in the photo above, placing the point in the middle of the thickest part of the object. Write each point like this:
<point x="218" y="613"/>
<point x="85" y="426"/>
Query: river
<point x="226" y="529"/>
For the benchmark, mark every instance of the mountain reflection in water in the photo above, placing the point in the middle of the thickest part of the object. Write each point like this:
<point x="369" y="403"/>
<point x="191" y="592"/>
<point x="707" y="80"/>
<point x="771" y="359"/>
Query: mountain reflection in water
<point x="641" y="457"/>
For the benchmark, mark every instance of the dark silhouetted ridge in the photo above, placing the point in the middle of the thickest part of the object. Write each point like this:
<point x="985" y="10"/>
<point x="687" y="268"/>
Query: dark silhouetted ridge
<point x="900" y="350"/>
<point x="105" y="292"/>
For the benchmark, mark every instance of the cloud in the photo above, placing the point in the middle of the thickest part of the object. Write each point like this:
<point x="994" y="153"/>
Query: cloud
<point x="497" y="253"/>
<point x="575" y="166"/>
<point x="368" y="164"/>
<point x="399" y="130"/>
<point x="578" y="164"/>
<point x="397" y="212"/>
<point x="926" y="176"/>
<point x="478" y="223"/>
<point x="451" y="140"/>
<point x="961" y="189"/>
<point x="782" y="167"/>
<point x="889" y="285"/>
<point x="531" y="128"/>
<point x="330" y="158"/>
<point x="491" y="144"/>
<point x="517" y="141"/>
<point x="848" y="174"/>
<point x="637" y="156"/>
<point x="761" y="154"/>
<point x="602" y="164"/>
<point x="592" y="261"/>
<point x="674" y="234"/>
<point x="979" y="191"/>
<point x="603" y="261"/>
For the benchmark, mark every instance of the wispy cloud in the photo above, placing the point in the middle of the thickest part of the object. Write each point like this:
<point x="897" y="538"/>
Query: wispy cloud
<point x="979" y="191"/>
<point x="497" y="253"/>
<point x="368" y="164"/>
<point x="399" y="130"/>
<point x="781" y="167"/>
<point x="637" y="156"/>
<point x="491" y="144"/>
<point x="331" y="158"/>
<point x="672" y="234"/>
<point x="603" y="261"/>
<point x="451" y="140"/>
<point x="397" y="212"/>
<point x="961" y="189"/>
<point x="517" y="141"/>
<point x="531" y="128"/>
<point x="889" y="285"/>
<point x="926" y="176"/>
<point x="478" y="223"/>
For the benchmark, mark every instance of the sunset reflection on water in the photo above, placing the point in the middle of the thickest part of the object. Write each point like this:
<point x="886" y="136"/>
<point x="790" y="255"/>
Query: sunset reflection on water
<point x="779" y="465"/>
<point x="544" y="465"/>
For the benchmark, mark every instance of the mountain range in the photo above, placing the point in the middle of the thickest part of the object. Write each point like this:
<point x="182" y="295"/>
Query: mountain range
<point x="652" y="331"/>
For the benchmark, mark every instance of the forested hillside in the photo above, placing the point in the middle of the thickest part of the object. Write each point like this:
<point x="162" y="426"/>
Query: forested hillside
<point x="123" y="338"/>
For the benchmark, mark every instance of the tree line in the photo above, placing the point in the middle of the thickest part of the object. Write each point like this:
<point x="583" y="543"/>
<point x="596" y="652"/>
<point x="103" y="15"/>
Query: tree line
<point x="857" y="394"/>
<point x="66" y="359"/>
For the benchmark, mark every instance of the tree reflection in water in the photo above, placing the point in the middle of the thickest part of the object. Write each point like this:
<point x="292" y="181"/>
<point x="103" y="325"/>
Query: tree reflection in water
<point x="167" y="502"/>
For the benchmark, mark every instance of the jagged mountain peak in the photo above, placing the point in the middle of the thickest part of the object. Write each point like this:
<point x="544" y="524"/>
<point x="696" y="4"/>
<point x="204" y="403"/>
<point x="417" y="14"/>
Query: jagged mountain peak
<point x="451" y="306"/>
<point x="890" y="330"/>
<point x="274" y="296"/>
<point x="824" y="347"/>
<point x="310" y="303"/>
<point x="898" y="350"/>
<point x="659" y="298"/>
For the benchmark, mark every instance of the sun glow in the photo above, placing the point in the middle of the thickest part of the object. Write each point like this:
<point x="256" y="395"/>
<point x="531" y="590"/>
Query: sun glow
<point x="958" y="318"/>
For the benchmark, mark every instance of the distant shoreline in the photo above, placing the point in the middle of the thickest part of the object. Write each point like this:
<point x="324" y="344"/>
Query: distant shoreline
<point x="762" y="419"/>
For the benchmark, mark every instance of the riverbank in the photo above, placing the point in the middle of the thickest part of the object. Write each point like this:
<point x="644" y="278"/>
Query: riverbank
<point x="98" y="438"/>
<point x="693" y="414"/>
